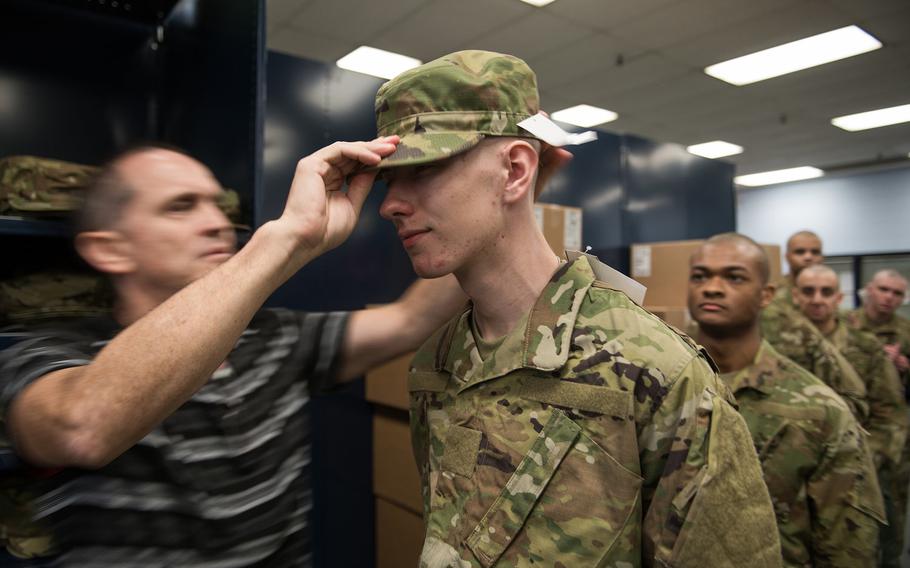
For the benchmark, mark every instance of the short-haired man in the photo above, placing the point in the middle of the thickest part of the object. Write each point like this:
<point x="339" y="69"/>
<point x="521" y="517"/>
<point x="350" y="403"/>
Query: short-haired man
<point x="885" y="293"/>
<point x="878" y="315"/>
<point x="784" y="327"/>
<point x="817" y="294"/>
<point x="815" y="460"/>
<point x="804" y="248"/>
<point x="175" y="432"/>
<point x="554" y="421"/>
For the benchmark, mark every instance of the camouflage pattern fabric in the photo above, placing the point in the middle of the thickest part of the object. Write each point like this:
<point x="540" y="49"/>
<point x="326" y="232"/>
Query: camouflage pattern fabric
<point x="816" y="463"/>
<point x="887" y="423"/>
<point x="31" y="185"/>
<point x="895" y="330"/>
<point x="592" y="435"/>
<point x="783" y="293"/>
<point x="447" y="106"/>
<point x="895" y="479"/>
<point x="49" y="295"/>
<point x="796" y="338"/>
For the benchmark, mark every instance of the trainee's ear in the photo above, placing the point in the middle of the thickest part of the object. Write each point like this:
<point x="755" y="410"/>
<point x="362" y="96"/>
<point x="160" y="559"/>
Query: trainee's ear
<point x="106" y="251"/>
<point x="522" y="160"/>
<point x="767" y="294"/>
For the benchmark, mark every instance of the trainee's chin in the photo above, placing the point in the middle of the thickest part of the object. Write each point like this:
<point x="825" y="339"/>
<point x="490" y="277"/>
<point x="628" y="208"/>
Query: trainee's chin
<point x="430" y="268"/>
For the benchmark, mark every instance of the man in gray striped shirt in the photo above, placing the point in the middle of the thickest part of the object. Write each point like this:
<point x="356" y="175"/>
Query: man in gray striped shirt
<point x="173" y="433"/>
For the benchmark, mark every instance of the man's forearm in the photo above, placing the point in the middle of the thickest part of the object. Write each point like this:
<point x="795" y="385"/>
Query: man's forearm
<point x="377" y="335"/>
<point x="88" y="415"/>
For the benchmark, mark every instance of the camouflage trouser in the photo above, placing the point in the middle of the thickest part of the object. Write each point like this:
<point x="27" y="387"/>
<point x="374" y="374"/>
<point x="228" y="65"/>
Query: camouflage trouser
<point x="895" y="484"/>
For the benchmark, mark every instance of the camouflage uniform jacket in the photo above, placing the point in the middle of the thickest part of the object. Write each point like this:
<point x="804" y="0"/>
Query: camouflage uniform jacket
<point x="783" y="293"/>
<point x="796" y="338"/>
<point x="887" y="423"/>
<point x="593" y="435"/>
<point x="896" y="330"/>
<point x="816" y="464"/>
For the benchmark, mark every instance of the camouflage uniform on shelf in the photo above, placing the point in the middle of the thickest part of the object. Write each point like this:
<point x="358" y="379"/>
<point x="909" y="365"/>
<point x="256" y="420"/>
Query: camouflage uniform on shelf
<point x="817" y="466"/>
<point x="896" y="481"/>
<point x="49" y="295"/>
<point x="796" y="338"/>
<point x="591" y="435"/>
<point x="30" y="185"/>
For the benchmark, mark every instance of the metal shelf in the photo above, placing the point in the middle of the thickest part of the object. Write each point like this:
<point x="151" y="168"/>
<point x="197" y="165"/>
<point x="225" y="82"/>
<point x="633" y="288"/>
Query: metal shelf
<point x="31" y="227"/>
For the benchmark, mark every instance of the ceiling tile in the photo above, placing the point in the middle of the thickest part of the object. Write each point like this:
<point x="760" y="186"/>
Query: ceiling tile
<point x="279" y="12"/>
<point x="580" y="58"/>
<point x="353" y="19"/>
<point x="604" y="14"/>
<point x="440" y="27"/>
<point x="530" y="36"/>
<point x="761" y="32"/>
<point x="308" y="45"/>
<point x="683" y="20"/>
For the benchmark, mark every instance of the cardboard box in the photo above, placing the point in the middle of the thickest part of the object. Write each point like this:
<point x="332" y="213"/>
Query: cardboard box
<point x="561" y="226"/>
<point x="664" y="269"/>
<point x="388" y="384"/>
<point x="395" y="476"/>
<point x="399" y="536"/>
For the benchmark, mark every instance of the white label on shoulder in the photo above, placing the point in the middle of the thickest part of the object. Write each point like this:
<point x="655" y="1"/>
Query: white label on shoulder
<point x="612" y="277"/>
<point x="571" y="237"/>
<point x="548" y="131"/>
<point x="641" y="261"/>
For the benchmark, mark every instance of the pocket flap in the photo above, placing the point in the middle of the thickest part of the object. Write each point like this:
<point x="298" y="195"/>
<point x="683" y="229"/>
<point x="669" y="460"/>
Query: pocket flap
<point x="508" y="513"/>
<point x="567" y="394"/>
<point x="427" y="381"/>
<point x="460" y="455"/>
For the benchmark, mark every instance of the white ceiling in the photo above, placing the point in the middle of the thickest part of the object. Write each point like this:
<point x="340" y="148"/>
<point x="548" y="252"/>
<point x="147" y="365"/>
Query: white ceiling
<point x="644" y="58"/>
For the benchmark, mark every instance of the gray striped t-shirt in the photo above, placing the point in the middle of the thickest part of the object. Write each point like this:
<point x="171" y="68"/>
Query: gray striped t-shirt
<point x="222" y="482"/>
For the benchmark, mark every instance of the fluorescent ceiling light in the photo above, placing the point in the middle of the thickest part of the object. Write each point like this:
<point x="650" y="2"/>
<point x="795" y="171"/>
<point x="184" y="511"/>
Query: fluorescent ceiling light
<point x="715" y="149"/>
<point x="377" y="62"/>
<point x="873" y="118"/>
<point x="794" y="56"/>
<point x="537" y="3"/>
<point x="585" y="116"/>
<point x="778" y="176"/>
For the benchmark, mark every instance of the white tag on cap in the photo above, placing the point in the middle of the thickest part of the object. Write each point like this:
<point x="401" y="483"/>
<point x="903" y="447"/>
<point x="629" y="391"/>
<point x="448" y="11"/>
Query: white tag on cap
<point x="548" y="131"/>
<point x="612" y="277"/>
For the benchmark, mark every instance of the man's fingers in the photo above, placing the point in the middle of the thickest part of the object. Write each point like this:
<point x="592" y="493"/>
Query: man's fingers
<point x="347" y="155"/>
<point x="359" y="188"/>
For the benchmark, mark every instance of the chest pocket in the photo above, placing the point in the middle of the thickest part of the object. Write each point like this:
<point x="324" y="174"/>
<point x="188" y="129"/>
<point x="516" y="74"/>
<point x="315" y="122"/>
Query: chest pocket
<point x="567" y="498"/>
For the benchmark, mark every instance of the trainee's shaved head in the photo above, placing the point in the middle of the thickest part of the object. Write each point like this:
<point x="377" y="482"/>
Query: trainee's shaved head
<point x="800" y="234"/>
<point x="753" y="249"/>
<point x="889" y="273"/>
<point x="819" y="270"/>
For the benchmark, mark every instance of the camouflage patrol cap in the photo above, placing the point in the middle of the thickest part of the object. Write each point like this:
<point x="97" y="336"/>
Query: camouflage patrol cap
<point x="447" y="106"/>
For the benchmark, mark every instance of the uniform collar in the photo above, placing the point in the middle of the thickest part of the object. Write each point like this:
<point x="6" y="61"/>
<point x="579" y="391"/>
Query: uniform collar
<point x="889" y="325"/>
<point x="541" y="341"/>
<point x="839" y="336"/>
<point x="761" y="375"/>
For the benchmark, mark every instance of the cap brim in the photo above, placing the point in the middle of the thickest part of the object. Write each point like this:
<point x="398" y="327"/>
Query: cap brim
<point x="426" y="147"/>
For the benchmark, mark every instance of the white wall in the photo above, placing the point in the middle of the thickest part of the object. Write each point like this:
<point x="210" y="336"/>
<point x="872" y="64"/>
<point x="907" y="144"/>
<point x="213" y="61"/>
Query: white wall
<point x="857" y="214"/>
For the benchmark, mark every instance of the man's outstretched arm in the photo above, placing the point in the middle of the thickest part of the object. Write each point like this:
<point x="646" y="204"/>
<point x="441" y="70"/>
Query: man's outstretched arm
<point x="86" y="416"/>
